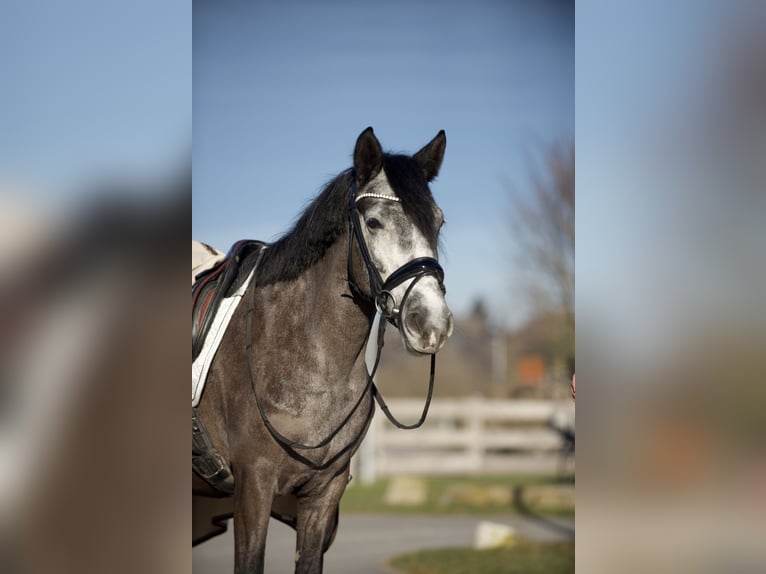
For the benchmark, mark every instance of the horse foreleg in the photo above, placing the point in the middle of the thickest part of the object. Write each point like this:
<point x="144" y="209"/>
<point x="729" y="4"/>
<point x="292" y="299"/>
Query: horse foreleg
<point x="252" y="508"/>
<point x="316" y="521"/>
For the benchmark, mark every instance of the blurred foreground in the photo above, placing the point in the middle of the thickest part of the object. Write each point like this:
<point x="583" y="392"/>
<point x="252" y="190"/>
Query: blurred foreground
<point x="92" y="362"/>
<point x="671" y="144"/>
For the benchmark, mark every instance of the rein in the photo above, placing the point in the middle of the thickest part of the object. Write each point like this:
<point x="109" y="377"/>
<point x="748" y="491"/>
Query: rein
<point x="386" y="307"/>
<point x="385" y="302"/>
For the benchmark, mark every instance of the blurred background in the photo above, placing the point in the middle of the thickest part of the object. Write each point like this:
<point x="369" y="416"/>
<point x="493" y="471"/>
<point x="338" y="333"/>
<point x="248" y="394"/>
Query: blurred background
<point x="95" y="209"/>
<point x="671" y="121"/>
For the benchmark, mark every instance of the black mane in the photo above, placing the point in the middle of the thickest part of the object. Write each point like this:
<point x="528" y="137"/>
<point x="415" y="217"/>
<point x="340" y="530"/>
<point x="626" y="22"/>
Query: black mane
<point x="325" y="220"/>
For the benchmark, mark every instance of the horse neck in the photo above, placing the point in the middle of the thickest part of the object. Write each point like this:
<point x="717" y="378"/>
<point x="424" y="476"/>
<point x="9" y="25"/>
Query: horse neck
<point x="322" y="310"/>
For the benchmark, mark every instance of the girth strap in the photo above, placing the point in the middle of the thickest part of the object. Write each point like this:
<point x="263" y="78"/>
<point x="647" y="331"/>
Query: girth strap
<point x="207" y="462"/>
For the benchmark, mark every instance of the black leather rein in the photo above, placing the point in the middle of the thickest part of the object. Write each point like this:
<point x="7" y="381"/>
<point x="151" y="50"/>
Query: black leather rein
<point x="382" y="298"/>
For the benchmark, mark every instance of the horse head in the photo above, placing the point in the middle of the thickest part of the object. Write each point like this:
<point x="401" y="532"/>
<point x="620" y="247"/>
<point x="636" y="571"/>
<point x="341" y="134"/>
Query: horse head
<point x="397" y="223"/>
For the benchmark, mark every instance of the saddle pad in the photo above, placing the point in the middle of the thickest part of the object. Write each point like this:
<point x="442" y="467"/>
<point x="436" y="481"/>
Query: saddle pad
<point x="204" y="257"/>
<point x="201" y="365"/>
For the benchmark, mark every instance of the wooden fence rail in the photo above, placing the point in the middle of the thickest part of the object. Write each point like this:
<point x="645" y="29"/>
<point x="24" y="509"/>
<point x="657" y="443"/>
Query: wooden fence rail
<point x="470" y="436"/>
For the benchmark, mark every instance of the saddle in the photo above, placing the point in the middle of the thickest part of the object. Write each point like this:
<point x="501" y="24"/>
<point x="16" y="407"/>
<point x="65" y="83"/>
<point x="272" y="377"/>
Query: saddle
<point x="213" y="284"/>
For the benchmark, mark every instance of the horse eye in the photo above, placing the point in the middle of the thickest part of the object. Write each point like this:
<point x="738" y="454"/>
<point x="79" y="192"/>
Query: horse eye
<point x="373" y="223"/>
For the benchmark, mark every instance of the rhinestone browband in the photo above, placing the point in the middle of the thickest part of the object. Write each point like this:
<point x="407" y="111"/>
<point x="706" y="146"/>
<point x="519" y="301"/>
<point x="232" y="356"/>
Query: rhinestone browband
<point x="377" y="196"/>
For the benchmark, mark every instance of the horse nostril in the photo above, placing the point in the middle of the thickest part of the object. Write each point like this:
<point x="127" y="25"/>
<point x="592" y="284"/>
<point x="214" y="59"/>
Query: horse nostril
<point x="414" y="323"/>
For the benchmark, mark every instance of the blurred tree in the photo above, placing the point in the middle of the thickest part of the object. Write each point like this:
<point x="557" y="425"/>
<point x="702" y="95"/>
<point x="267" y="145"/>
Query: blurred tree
<point x="543" y="229"/>
<point x="479" y="310"/>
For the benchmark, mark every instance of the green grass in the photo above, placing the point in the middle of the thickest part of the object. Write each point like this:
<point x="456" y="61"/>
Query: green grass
<point x="523" y="557"/>
<point x="362" y="498"/>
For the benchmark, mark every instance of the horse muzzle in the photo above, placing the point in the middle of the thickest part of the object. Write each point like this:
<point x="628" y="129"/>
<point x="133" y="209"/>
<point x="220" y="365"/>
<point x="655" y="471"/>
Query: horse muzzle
<point x="425" y="325"/>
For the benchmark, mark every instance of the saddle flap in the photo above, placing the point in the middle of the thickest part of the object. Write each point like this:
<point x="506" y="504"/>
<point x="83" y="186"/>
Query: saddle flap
<point x="214" y="284"/>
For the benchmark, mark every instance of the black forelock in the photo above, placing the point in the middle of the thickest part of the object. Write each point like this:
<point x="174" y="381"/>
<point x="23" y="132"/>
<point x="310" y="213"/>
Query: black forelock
<point x="407" y="180"/>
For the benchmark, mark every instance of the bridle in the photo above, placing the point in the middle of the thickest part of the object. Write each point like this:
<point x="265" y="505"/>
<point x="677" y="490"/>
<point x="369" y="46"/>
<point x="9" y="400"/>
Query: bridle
<point x="385" y="302"/>
<point x="381" y="292"/>
<point x="381" y="296"/>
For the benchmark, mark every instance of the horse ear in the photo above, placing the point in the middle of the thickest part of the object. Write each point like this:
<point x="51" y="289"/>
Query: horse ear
<point x="431" y="156"/>
<point x="368" y="157"/>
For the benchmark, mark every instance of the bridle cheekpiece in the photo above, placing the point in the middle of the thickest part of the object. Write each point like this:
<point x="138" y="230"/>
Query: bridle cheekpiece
<point x="385" y="302"/>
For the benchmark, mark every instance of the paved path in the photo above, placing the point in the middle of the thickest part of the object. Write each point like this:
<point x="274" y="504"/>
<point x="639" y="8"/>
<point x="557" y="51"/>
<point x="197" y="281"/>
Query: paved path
<point x="366" y="542"/>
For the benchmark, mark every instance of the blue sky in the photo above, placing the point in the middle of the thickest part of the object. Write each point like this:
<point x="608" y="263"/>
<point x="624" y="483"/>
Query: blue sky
<point x="281" y="91"/>
<point x="92" y="89"/>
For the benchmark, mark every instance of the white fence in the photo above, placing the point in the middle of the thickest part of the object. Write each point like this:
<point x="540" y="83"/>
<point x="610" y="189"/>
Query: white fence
<point x="469" y="436"/>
